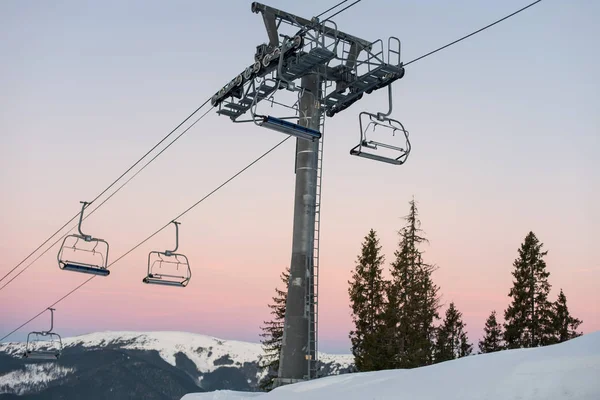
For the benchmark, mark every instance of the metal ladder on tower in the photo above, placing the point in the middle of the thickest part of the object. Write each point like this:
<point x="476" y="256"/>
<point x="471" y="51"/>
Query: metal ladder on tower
<point x="313" y="296"/>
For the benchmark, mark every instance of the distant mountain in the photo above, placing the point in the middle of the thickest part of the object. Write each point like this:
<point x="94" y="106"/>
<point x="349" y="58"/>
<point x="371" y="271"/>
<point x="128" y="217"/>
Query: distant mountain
<point x="137" y="365"/>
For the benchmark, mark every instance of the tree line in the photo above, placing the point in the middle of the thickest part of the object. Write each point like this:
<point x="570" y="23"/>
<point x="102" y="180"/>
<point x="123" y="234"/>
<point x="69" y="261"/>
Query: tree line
<point x="397" y="322"/>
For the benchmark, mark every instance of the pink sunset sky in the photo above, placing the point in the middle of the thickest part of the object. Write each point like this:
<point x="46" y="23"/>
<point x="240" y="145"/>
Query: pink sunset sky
<point x="504" y="130"/>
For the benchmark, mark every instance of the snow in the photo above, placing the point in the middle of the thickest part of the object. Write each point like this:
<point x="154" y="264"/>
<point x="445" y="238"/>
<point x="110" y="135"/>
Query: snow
<point x="565" y="371"/>
<point x="224" y="395"/>
<point x="342" y="360"/>
<point x="33" y="378"/>
<point x="203" y="350"/>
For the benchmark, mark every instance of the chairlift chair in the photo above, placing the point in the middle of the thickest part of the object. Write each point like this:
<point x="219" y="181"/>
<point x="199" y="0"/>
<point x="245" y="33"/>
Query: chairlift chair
<point x="91" y="257"/>
<point x="169" y="259"/>
<point x="53" y="348"/>
<point x="282" y="124"/>
<point x="290" y="128"/>
<point x="368" y="148"/>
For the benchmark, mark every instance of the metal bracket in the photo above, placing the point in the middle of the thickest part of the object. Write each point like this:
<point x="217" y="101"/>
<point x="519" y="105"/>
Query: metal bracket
<point x="362" y="67"/>
<point x="51" y="321"/>
<point x="85" y="237"/>
<point x="310" y="24"/>
<point x="170" y="252"/>
<point x="271" y="26"/>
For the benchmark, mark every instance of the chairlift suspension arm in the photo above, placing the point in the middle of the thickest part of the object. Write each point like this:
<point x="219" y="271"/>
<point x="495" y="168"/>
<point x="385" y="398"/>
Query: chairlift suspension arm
<point x="170" y="252"/>
<point x="51" y="319"/>
<point x="84" y="205"/>
<point x="271" y="26"/>
<point x="381" y="116"/>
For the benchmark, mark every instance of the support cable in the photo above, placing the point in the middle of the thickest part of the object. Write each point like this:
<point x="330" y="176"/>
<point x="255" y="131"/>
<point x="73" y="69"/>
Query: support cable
<point x="471" y="34"/>
<point x="345" y="8"/>
<point x="152" y="235"/>
<point x="108" y="198"/>
<point x="108" y="188"/>
<point x="306" y="28"/>
<point x="331" y="8"/>
<point x="342" y="10"/>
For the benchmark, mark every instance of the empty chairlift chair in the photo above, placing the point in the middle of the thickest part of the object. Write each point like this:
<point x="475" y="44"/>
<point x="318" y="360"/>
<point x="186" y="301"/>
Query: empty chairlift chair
<point x="290" y="128"/>
<point x="45" y="345"/>
<point x="168" y="268"/>
<point x="382" y="150"/>
<point x="283" y="124"/>
<point x="83" y="253"/>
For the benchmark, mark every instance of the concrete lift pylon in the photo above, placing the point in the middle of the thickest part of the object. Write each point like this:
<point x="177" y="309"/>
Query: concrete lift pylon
<point x="325" y="89"/>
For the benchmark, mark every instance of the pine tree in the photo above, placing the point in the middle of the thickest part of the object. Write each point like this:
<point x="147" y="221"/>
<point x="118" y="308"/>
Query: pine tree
<point x="529" y="316"/>
<point x="452" y="341"/>
<point x="492" y="341"/>
<point x="564" y="325"/>
<point x="413" y="300"/>
<point x="272" y="335"/>
<point x="366" y="291"/>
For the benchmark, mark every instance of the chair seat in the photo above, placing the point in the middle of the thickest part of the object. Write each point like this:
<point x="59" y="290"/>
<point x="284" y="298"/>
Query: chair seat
<point x="165" y="282"/>
<point x="41" y="355"/>
<point x="85" y="268"/>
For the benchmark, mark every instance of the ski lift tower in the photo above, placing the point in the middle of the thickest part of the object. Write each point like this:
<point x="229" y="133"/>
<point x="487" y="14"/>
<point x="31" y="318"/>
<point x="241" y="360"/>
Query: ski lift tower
<point x="322" y="71"/>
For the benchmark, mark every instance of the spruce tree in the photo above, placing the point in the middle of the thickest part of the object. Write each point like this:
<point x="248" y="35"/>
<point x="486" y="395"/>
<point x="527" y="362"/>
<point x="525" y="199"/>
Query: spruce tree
<point x="413" y="299"/>
<point x="492" y="340"/>
<point x="452" y="341"/>
<point x="529" y="316"/>
<point x="564" y="325"/>
<point x="272" y="334"/>
<point x="367" y="291"/>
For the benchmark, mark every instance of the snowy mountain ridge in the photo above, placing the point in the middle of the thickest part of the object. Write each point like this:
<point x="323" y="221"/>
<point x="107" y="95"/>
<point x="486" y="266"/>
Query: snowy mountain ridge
<point x="135" y="362"/>
<point x="206" y="352"/>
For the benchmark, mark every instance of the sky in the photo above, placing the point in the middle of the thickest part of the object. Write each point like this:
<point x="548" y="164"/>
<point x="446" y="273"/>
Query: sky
<point x="504" y="129"/>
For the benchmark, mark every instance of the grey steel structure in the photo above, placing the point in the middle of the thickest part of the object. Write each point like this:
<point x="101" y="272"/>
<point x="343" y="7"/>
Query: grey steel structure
<point x="95" y="261"/>
<point x="395" y="155"/>
<point x="156" y="259"/>
<point x="334" y="70"/>
<point x="48" y="353"/>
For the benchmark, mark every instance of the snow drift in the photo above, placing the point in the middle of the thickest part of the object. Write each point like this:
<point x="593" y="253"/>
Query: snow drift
<point x="565" y="371"/>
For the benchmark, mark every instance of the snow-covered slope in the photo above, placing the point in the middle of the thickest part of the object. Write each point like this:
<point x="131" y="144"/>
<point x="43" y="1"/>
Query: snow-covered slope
<point x="566" y="371"/>
<point x="35" y="377"/>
